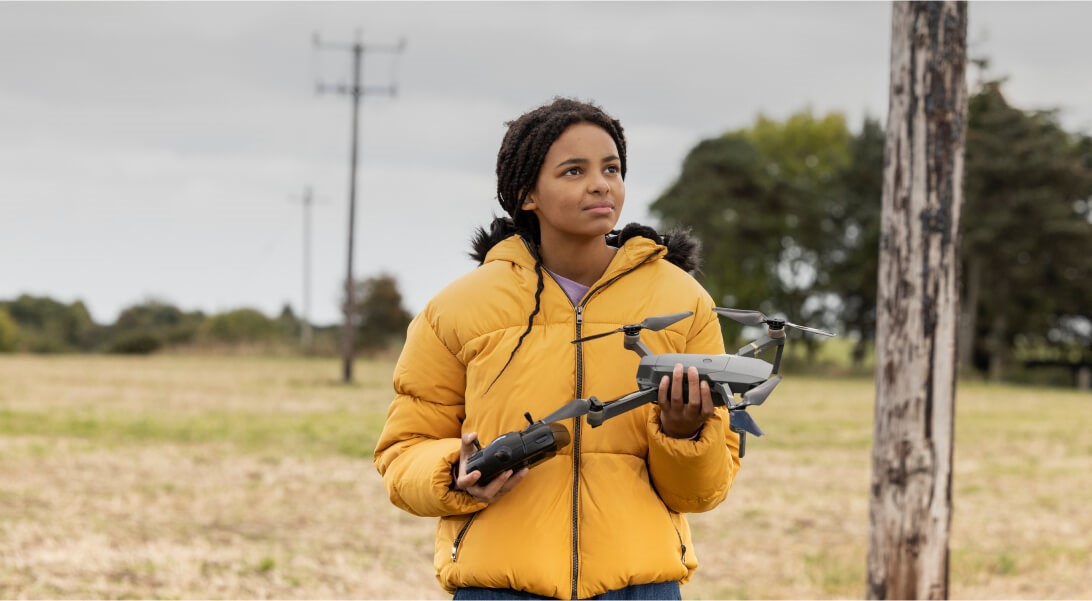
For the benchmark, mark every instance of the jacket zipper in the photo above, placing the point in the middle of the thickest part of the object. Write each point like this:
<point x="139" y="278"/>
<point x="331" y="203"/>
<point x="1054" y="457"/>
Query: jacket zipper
<point x="576" y="450"/>
<point x="681" y="543"/>
<point x="459" y="537"/>
<point x="577" y="423"/>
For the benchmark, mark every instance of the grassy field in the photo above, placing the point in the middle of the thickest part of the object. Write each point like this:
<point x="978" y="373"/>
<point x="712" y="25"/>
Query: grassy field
<point x="190" y="477"/>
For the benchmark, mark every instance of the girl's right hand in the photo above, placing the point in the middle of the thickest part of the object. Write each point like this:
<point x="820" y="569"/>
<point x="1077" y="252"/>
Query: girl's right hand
<point x="467" y="482"/>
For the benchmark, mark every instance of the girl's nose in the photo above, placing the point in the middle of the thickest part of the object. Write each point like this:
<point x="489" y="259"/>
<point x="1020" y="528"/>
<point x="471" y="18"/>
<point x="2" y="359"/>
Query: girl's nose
<point x="599" y="185"/>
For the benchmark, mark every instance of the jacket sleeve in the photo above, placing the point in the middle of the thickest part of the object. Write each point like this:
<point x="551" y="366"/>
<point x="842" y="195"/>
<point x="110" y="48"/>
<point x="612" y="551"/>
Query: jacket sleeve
<point x="695" y="475"/>
<point x="421" y="437"/>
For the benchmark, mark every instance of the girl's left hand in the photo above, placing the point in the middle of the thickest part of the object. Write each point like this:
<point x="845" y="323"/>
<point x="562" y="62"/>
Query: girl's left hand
<point x="679" y="417"/>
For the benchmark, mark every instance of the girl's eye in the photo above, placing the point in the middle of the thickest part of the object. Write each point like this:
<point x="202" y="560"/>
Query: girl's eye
<point x="612" y="169"/>
<point x="572" y="171"/>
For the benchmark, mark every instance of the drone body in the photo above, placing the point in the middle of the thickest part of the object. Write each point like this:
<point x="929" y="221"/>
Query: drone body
<point x="728" y="375"/>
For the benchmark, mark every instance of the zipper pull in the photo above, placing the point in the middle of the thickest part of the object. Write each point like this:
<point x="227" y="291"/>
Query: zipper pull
<point x="454" y="550"/>
<point x="580" y="315"/>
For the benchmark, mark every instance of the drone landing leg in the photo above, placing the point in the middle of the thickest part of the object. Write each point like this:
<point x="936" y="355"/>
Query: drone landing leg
<point x="777" y="357"/>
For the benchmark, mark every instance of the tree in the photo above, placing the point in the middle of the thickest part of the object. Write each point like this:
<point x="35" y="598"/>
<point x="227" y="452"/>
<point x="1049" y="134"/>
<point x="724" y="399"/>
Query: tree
<point x="910" y="510"/>
<point x="288" y="325"/>
<point x="852" y="260"/>
<point x="137" y="326"/>
<point x="759" y="200"/>
<point x="379" y="315"/>
<point x="1027" y="254"/>
<point x="49" y="326"/>
<point x="239" y="325"/>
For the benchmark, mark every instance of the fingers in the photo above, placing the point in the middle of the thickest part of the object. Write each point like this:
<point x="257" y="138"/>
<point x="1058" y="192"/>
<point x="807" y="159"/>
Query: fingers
<point x="467" y="447"/>
<point x="489" y="492"/>
<point x="676" y="385"/>
<point x="465" y="451"/>
<point x="707" y="407"/>
<point x="467" y="481"/>
<point x="492" y="491"/>
<point x="692" y="404"/>
<point x="681" y="415"/>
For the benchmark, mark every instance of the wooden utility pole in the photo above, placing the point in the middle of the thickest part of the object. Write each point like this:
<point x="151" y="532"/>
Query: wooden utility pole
<point x="357" y="91"/>
<point x="305" y="330"/>
<point x="911" y="493"/>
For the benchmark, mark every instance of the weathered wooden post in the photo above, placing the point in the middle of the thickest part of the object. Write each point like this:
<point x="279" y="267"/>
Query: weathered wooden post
<point x="911" y="493"/>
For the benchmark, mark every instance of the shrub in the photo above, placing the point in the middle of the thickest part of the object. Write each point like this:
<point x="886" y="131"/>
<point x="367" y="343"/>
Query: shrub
<point x="239" y="325"/>
<point x="9" y="333"/>
<point x="135" y="344"/>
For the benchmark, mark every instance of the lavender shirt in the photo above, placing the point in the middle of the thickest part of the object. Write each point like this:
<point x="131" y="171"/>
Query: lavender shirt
<point x="575" y="290"/>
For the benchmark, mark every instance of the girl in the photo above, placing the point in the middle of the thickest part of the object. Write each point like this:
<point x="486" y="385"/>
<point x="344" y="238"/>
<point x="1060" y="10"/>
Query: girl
<point x="604" y="518"/>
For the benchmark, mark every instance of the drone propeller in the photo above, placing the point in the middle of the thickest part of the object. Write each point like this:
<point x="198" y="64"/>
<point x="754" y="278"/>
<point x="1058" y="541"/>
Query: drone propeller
<point x="741" y="421"/>
<point x="754" y="318"/>
<point x="758" y="394"/>
<point x="655" y="324"/>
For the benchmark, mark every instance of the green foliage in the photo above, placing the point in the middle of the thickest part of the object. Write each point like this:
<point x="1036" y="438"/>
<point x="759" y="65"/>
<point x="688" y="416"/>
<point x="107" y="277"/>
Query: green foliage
<point x="146" y="327"/>
<point x="237" y="326"/>
<point x="1026" y="232"/>
<point x="379" y="312"/>
<point x="138" y="343"/>
<point x="48" y="326"/>
<point x="788" y="214"/>
<point x="288" y="325"/>
<point x="9" y="332"/>
<point x="763" y="203"/>
<point x="851" y="259"/>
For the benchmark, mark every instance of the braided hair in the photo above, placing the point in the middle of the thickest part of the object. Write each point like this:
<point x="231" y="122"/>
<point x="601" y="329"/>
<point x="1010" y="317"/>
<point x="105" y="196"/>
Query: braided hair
<point x="522" y="152"/>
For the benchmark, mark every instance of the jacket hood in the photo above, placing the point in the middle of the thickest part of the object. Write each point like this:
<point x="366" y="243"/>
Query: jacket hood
<point x="683" y="250"/>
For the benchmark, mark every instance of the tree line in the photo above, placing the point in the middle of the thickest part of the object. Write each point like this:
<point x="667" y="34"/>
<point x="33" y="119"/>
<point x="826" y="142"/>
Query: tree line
<point x="788" y="213"/>
<point x="44" y="325"/>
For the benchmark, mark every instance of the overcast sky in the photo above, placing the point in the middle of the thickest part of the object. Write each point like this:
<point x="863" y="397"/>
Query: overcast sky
<point x="160" y="150"/>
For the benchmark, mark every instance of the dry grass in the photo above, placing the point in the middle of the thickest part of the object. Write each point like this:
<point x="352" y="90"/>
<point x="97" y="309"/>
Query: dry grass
<point x="190" y="477"/>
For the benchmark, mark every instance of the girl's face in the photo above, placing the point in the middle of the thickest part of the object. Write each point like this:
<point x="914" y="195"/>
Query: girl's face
<point x="579" y="192"/>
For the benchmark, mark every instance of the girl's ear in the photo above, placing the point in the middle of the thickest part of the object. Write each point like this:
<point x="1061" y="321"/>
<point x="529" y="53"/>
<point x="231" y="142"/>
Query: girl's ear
<point x="529" y="203"/>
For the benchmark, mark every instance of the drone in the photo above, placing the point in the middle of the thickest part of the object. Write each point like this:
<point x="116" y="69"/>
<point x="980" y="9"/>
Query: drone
<point x="741" y="373"/>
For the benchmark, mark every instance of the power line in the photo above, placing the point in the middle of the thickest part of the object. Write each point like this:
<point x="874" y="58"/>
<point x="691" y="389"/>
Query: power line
<point x="357" y="91"/>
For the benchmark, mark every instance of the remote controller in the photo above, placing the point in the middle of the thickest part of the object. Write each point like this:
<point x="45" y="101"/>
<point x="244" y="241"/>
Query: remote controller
<point x="516" y="450"/>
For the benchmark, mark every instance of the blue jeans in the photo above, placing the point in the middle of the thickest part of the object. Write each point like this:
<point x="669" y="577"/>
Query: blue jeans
<point x="636" y="592"/>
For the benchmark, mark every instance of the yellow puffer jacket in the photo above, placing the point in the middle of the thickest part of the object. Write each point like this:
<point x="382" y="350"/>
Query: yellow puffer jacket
<point x="606" y="512"/>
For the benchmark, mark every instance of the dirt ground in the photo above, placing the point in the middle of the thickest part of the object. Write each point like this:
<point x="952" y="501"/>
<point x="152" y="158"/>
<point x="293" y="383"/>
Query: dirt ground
<point x="176" y="477"/>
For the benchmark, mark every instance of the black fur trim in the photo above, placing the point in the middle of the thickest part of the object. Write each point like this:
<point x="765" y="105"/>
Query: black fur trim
<point x="482" y="241"/>
<point x="683" y="250"/>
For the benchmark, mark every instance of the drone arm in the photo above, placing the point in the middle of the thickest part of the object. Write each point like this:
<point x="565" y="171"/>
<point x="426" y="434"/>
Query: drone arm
<point x="629" y="402"/>
<point x="760" y="344"/>
<point x="756" y="346"/>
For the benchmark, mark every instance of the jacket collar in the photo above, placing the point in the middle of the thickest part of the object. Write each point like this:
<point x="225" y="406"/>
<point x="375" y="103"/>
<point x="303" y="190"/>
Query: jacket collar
<point x="633" y="252"/>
